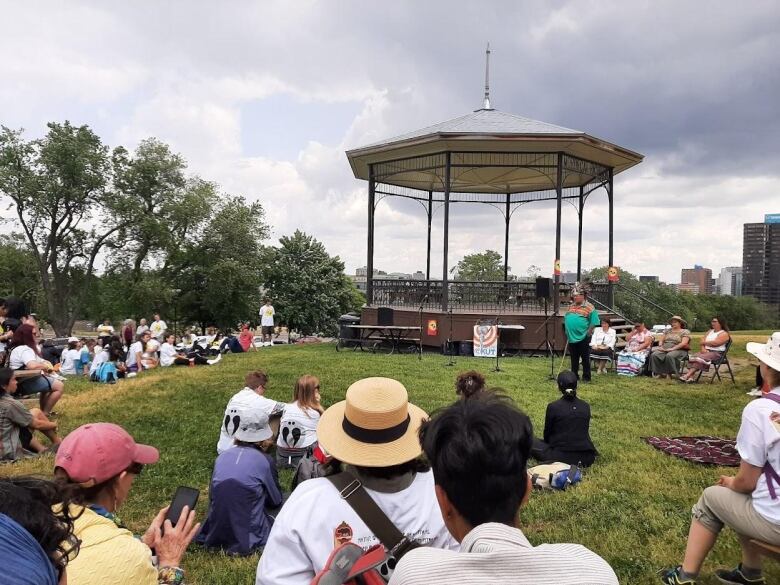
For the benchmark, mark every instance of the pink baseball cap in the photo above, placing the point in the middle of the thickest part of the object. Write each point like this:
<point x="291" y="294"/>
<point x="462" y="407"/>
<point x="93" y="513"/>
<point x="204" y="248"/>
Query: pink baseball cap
<point x="96" y="452"/>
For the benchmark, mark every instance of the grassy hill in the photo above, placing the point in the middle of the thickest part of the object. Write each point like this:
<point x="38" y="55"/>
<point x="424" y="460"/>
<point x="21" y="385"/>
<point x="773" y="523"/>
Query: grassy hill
<point x="633" y="507"/>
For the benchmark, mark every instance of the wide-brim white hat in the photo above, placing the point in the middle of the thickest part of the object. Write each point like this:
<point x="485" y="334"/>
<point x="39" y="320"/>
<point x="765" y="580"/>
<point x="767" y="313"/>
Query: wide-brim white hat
<point x="375" y="426"/>
<point x="768" y="352"/>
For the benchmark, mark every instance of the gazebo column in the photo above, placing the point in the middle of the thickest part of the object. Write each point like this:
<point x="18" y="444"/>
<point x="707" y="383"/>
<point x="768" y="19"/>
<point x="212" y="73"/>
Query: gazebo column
<point x="370" y="243"/>
<point x="428" y="253"/>
<point x="610" y="193"/>
<point x="558" y="213"/>
<point x="580" y="210"/>
<point x="506" y="237"/>
<point x="445" y="279"/>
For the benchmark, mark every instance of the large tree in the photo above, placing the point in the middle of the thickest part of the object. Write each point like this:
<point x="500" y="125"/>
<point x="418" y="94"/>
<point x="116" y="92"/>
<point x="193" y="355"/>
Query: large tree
<point x="215" y="277"/>
<point x="308" y="286"/>
<point x="59" y="187"/>
<point x="482" y="266"/>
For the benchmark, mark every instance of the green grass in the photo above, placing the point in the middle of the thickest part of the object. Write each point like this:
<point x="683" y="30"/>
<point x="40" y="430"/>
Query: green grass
<point x="633" y="507"/>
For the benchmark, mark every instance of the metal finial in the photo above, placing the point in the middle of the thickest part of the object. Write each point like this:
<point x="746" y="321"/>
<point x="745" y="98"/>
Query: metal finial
<point x="486" y="102"/>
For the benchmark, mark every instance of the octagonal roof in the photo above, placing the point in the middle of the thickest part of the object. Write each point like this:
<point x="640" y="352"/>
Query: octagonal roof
<point x="489" y="131"/>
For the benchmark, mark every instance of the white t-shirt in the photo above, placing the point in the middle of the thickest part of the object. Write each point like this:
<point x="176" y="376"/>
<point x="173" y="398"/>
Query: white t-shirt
<point x="70" y="362"/>
<point x="758" y="442"/>
<point x="21" y="356"/>
<point x="101" y="357"/>
<point x="267" y="316"/>
<point x="168" y="353"/>
<point x="298" y="427"/>
<point x="135" y="348"/>
<point x="158" y="329"/>
<point x="239" y="402"/>
<point x="141" y="329"/>
<point x="304" y="533"/>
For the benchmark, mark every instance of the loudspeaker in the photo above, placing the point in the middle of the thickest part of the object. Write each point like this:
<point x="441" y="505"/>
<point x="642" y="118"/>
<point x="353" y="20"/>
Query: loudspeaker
<point x="384" y="316"/>
<point x="543" y="288"/>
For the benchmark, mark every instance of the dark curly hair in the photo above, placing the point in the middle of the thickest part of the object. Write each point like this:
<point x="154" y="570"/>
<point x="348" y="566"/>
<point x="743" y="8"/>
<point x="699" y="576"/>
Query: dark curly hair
<point x="469" y="383"/>
<point x="43" y="509"/>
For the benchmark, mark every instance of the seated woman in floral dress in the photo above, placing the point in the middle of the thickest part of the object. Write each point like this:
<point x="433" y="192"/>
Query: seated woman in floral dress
<point x="631" y="360"/>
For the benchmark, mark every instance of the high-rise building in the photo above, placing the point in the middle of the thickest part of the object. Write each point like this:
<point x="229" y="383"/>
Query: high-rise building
<point x="730" y="281"/>
<point x="689" y="287"/>
<point x="700" y="276"/>
<point x="648" y="278"/>
<point x="761" y="260"/>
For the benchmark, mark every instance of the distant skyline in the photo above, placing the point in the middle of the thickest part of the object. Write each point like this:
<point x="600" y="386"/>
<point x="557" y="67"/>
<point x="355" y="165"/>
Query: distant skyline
<point x="264" y="98"/>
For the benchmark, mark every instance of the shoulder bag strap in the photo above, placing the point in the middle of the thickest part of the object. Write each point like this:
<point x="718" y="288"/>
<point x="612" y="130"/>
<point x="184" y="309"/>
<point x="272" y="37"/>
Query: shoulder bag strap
<point x="772" y="397"/>
<point x="353" y="492"/>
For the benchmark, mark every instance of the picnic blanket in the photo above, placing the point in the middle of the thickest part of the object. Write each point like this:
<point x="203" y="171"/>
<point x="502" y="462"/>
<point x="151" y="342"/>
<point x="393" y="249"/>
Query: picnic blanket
<point x="706" y="449"/>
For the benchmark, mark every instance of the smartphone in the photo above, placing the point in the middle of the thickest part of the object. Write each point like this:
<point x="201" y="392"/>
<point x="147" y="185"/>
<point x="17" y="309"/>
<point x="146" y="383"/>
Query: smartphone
<point x="184" y="496"/>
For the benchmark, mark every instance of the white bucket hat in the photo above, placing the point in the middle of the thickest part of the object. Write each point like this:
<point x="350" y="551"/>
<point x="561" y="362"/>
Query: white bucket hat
<point x="768" y="352"/>
<point x="253" y="426"/>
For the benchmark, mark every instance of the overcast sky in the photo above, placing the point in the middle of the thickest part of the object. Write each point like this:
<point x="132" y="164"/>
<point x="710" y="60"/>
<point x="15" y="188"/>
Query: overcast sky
<point x="265" y="97"/>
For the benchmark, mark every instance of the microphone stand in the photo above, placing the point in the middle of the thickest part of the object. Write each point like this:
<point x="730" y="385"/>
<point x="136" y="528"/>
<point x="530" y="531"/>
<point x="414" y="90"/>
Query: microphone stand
<point x="422" y="304"/>
<point x="498" y="338"/>
<point x="451" y="361"/>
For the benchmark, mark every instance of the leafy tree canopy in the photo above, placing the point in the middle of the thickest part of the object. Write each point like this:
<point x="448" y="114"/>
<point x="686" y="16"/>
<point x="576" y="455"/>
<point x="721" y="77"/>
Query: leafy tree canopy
<point x="482" y="266"/>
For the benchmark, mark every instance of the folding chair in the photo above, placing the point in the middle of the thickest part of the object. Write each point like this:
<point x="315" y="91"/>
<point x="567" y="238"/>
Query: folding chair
<point x="723" y="359"/>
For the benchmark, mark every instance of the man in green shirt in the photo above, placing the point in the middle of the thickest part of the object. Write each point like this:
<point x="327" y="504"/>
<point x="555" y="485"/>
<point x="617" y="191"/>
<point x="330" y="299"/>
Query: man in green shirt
<point x="579" y="321"/>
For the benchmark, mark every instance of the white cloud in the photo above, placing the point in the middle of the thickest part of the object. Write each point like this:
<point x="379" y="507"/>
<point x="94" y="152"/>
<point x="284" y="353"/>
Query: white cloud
<point x="696" y="95"/>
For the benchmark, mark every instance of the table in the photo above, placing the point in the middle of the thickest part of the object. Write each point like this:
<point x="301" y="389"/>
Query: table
<point x="373" y="336"/>
<point x="501" y="328"/>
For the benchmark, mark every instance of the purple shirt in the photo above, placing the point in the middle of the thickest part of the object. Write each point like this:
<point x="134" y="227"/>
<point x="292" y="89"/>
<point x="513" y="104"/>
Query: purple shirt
<point x="243" y="485"/>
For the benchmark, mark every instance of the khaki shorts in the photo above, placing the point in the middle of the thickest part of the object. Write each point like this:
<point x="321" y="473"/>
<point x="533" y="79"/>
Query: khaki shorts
<point x="719" y="506"/>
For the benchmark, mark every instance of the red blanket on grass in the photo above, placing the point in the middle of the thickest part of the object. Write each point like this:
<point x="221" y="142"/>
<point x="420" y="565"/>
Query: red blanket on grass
<point x="707" y="450"/>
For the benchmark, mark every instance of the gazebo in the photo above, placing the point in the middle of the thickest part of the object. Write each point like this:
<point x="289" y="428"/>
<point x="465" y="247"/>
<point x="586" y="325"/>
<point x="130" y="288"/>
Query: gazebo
<point x="486" y="157"/>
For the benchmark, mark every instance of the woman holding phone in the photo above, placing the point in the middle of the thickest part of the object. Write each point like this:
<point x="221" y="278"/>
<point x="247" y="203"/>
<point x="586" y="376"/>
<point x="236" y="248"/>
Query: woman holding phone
<point x="100" y="462"/>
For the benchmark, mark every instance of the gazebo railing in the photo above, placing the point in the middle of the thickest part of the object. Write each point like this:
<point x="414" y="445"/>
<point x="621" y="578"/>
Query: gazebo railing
<point x="488" y="296"/>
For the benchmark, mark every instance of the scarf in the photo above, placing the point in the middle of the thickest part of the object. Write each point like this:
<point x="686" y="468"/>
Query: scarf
<point x="22" y="558"/>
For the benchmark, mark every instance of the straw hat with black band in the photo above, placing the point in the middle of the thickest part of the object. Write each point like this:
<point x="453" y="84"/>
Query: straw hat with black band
<point x="677" y="318"/>
<point x="375" y="426"/>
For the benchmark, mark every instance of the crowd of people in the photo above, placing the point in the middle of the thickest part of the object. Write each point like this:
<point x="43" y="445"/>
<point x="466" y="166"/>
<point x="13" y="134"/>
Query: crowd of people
<point x="376" y="477"/>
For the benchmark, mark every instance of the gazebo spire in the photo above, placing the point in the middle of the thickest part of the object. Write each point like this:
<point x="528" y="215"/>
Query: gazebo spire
<point x="486" y="102"/>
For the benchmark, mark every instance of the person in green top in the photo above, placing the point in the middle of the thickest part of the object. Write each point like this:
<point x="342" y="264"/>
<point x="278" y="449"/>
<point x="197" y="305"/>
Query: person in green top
<point x="579" y="321"/>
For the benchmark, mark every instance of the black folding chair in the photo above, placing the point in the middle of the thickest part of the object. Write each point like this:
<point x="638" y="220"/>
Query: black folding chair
<point x="722" y="360"/>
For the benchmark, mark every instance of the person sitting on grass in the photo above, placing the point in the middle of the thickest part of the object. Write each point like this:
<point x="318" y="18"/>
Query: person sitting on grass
<point x="469" y="384"/>
<point x="36" y="532"/>
<point x="252" y="394"/>
<point x="298" y="425"/>
<point x="17" y="423"/>
<point x="749" y="502"/>
<point x="374" y="434"/>
<point x="149" y="358"/>
<point x="70" y="364"/>
<point x="246" y="338"/>
<point x="478" y="450"/>
<point x="99" y="463"/>
<point x="713" y="344"/>
<point x="243" y="486"/>
<point x="26" y="356"/>
<point x="135" y="353"/>
<point x="602" y="345"/>
<point x="666" y="359"/>
<point x="169" y="356"/>
<point x="87" y="355"/>
<point x="566" y="428"/>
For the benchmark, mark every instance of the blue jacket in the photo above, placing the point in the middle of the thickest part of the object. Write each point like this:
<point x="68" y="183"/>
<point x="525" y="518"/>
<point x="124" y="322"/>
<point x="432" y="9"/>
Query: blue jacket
<point x="244" y="484"/>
